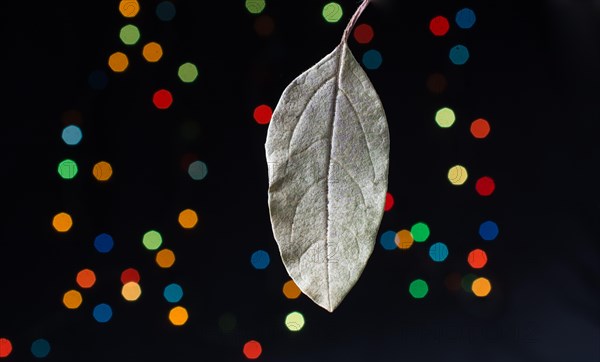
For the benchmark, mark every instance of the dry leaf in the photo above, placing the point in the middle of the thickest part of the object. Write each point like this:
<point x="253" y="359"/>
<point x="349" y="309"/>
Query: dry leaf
<point x="327" y="153"/>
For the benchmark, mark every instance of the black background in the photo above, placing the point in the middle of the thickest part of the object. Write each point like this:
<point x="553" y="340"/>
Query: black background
<point x="533" y="73"/>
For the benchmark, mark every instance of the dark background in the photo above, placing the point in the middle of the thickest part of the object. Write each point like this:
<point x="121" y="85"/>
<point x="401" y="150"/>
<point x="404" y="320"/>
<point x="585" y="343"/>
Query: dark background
<point x="533" y="73"/>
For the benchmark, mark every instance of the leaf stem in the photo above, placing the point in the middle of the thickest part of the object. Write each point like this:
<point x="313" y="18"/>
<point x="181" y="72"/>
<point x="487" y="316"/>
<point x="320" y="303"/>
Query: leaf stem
<point x="353" y="20"/>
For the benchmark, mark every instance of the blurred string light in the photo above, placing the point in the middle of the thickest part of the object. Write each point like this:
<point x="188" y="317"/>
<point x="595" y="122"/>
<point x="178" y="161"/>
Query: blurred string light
<point x="62" y="222"/>
<point x="420" y="232"/>
<point x="227" y="322"/>
<point x="104" y="243"/>
<point x="178" y="316"/>
<point x="372" y="59"/>
<point x="485" y="186"/>
<point x="465" y="18"/>
<point x="480" y="128"/>
<point x="40" y="348"/>
<point x="152" y="52"/>
<point x="5" y="347"/>
<point x="488" y="230"/>
<point x="130" y="275"/>
<point x="255" y="6"/>
<point x="387" y="240"/>
<point x="418" y="288"/>
<point x="467" y="281"/>
<point x="457" y="175"/>
<point x="262" y="114"/>
<point x="481" y="287"/>
<point x="439" y="25"/>
<point x="252" y="349"/>
<point x="129" y="34"/>
<point x="197" y="170"/>
<point x="363" y="33"/>
<point x="129" y="8"/>
<point x="72" y="299"/>
<point x="173" y="293"/>
<point x="86" y="278"/>
<point x="152" y="240"/>
<point x="403" y="239"/>
<point x="389" y="202"/>
<point x="260" y="259"/>
<point x="131" y="291"/>
<point x="187" y="218"/>
<point x="102" y="171"/>
<point x="98" y="79"/>
<point x="162" y="99"/>
<point x="290" y="290"/>
<point x="264" y="25"/>
<point x="477" y="259"/>
<point x="67" y="169"/>
<point x="438" y="252"/>
<point x="165" y="258"/>
<point x="71" y="135"/>
<point x="187" y="72"/>
<point x="332" y="12"/>
<point x="294" y="321"/>
<point x="165" y="11"/>
<point x="102" y="313"/>
<point x="118" y="62"/>
<point x="459" y="54"/>
<point x="436" y="83"/>
<point x="445" y="117"/>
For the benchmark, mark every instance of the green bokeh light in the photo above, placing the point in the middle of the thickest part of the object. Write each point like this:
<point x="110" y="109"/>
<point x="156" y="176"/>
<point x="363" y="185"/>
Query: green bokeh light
<point x="418" y="288"/>
<point x="152" y="240"/>
<point x="255" y="6"/>
<point x="294" y="321"/>
<point x="420" y="232"/>
<point x="445" y="117"/>
<point x="67" y="169"/>
<point x="187" y="72"/>
<point x="129" y="34"/>
<point x="332" y="12"/>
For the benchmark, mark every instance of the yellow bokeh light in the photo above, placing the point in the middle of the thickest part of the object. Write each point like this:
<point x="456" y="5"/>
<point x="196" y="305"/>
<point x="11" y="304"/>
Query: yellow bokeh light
<point x="72" y="299"/>
<point x="102" y="171"/>
<point x="457" y="175"/>
<point x="129" y="8"/>
<point x="152" y="52"/>
<point x="62" y="222"/>
<point x="188" y="218"/>
<point x="404" y="239"/>
<point x="165" y="258"/>
<point x="294" y="321"/>
<point x="445" y="117"/>
<point x="118" y="62"/>
<point x="178" y="316"/>
<point x="481" y="287"/>
<point x="291" y="290"/>
<point x="131" y="291"/>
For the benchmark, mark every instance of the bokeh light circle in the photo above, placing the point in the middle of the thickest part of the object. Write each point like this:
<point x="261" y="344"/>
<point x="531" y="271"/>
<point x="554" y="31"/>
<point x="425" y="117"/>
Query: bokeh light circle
<point x="72" y="299"/>
<point x="445" y="117"/>
<point x="118" y="62"/>
<point x="71" y="135"/>
<point x="129" y="8"/>
<point x="130" y="275"/>
<point x="104" y="243"/>
<point x="485" y="186"/>
<point x="178" y="316"/>
<point x="173" y="293"/>
<point x="363" y="33"/>
<point x="481" y="287"/>
<point x="388" y="240"/>
<point x="86" y="278"/>
<point x="187" y="72"/>
<point x="152" y="240"/>
<point x="420" y="232"/>
<point x="129" y="34"/>
<point x="457" y="175"/>
<point x="102" y="171"/>
<point x="197" y="170"/>
<point x="465" y="18"/>
<point x="291" y="290"/>
<point x="438" y="252"/>
<point x="262" y="114"/>
<point x="372" y="59"/>
<point x="389" y="202"/>
<point x="260" y="259"/>
<point x="165" y="11"/>
<point x="488" y="230"/>
<point x="62" y="222"/>
<point x="480" y="128"/>
<point x="439" y="26"/>
<point x="152" y="52"/>
<point x="252" y="349"/>
<point x="102" y="313"/>
<point x="162" y="99"/>
<point x="188" y="218"/>
<point x="404" y="239"/>
<point x="131" y="291"/>
<point x="294" y="321"/>
<point x="165" y="258"/>
<point x="67" y="169"/>
<point x="477" y="259"/>
<point x="459" y="54"/>
<point x="255" y="6"/>
<point x="418" y="288"/>
<point x="332" y="12"/>
<point x="5" y="347"/>
<point x="40" y="348"/>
